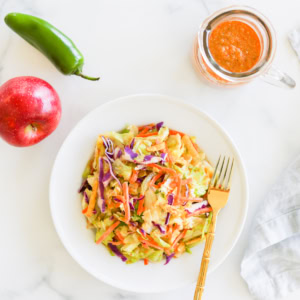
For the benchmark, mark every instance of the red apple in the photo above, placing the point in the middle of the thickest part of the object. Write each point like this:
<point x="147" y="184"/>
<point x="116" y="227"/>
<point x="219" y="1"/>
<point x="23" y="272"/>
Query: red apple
<point x="30" y="110"/>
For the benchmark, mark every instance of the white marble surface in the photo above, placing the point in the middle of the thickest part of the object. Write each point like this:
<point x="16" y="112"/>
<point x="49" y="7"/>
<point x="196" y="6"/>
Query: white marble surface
<point x="136" y="46"/>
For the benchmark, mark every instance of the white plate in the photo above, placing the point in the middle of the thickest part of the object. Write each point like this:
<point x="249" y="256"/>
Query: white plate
<point x="66" y="178"/>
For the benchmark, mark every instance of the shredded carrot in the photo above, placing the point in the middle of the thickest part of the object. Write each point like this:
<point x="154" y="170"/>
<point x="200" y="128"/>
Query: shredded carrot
<point x="179" y="237"/>
<point x="167" y="251"/>
<point x="169" y="158"/>
<point x="148" y="125"/>
<point x="173" y="184"/>
<point x="116" y="243"/>
<point x="175" y="227"/>
<point x="147" y="134"/>
<point x="118" y="204"/>
<point x="201" y="211"/>
<point x="177" y="199"/>
<point x="133" y="176"/>
<point x="92" y="201"/>
<point x="166" y="170"/>
<point x="145" y="246"/>
<point x="157" y="147"/>
<point x="146" y="261"/>
<point x="209" y="172"/>
<point x="155" y="178"/>
<point x="140" y="207"/>
<point x="196" y="146"/>
<point x="145" y="130"/>
<point x="160" y="184"/>
<point x="107" y="232"/>
<point x="119" y="236"/>
<point x="120" y="197"/>
<point x="126" y="203"/>
<point x="110" y="205"/>
<point x="150" y="243"/>
<point x="187" y="181"/>
<point x="88" y="224"/>
<point x="169" y="232"/>
<point x="189" y="146"/>
<point x="191" y="199"/>
<point x="84" y="210"/>
<point x="133" y="188"/>
<point x="174" y="132"/>
<point x="195" y="240"/>
<point x="177" y="246"/>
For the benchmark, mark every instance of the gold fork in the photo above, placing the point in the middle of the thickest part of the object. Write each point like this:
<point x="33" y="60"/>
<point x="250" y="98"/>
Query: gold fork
<point x="217" y="197"/>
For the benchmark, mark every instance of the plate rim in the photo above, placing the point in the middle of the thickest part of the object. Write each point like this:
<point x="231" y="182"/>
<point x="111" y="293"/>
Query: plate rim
<point x="179" y="102"/>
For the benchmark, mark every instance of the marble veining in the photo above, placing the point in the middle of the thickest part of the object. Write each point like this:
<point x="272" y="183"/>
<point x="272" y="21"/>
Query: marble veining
<point x="136" y="46"/>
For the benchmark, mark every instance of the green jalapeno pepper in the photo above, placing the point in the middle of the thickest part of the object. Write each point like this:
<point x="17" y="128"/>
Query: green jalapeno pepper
<point x="60" y="50"/>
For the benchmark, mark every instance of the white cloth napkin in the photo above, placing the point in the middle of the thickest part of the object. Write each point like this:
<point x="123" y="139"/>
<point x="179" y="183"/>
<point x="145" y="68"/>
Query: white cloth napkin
<point x="271" y="265"/>
<point x="294" y="38"/>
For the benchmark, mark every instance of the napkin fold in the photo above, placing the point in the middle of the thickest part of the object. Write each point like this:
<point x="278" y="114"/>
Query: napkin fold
<point x="271" y="265"/>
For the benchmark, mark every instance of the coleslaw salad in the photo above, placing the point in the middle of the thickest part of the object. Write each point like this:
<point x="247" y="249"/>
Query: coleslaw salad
<point x="143" y="192"/>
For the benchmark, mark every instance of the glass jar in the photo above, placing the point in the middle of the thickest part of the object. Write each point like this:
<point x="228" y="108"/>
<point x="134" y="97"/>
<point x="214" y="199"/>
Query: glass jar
<point x="214" y="73"/>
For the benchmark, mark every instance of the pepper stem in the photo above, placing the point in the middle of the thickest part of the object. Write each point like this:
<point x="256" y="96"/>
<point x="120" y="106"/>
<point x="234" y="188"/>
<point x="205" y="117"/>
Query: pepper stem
<point x="86" y="77"/>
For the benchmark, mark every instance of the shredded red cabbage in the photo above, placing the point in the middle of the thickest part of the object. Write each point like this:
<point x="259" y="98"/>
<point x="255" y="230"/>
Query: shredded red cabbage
<point x="86" y="198"/>
<point x="143" y="232"/>
<point x="118" y="200"/>
<point x="163" y="157"/>
<point x="140" y="179"/>
<point x="169" y="257"/>
<point x="107" y="178"/>
<point x="101" y="200"/>
<point x="161" y="229"/>
<point x="109" y="148"/>
<point x="149" y="159"/>
<point x="135" y="200"/>
<point x="170" y="199"/>
<point x="140" y="198"/>
<point x="109" y="145"/>
<point x="112" y="172"/>
<point x="94" y="211"/>
<point x="109" y="156"/>
<point x="116" y="251"/>
<point x="84" y="185"/>
<point x="131" y="154"/>
<point x="104" y="141"/>
<point x="133" y="223"/>
<point x="131" y="206"/>
<point x="159" y="125"/>
<point x="119" y="153"/>
<point x="196" y="206"/>
<point x="167" y="218"/>
<point x="132" y="143"/>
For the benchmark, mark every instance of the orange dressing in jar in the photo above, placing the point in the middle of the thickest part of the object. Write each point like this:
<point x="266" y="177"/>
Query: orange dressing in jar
<point x="235" y="46"/>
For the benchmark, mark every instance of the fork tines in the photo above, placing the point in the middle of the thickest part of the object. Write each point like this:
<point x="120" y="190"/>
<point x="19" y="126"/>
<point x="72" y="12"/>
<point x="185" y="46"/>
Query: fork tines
<point x="222" y="175"/>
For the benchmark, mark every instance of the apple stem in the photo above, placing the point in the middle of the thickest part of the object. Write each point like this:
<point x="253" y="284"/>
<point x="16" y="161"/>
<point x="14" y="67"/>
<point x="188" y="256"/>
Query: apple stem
<point x="33" y="127"/>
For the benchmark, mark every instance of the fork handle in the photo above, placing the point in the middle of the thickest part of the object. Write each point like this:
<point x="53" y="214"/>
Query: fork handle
<point x="205" y="259"/>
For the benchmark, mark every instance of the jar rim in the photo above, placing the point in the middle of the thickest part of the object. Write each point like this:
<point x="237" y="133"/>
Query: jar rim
<point x="205" y="29"/>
